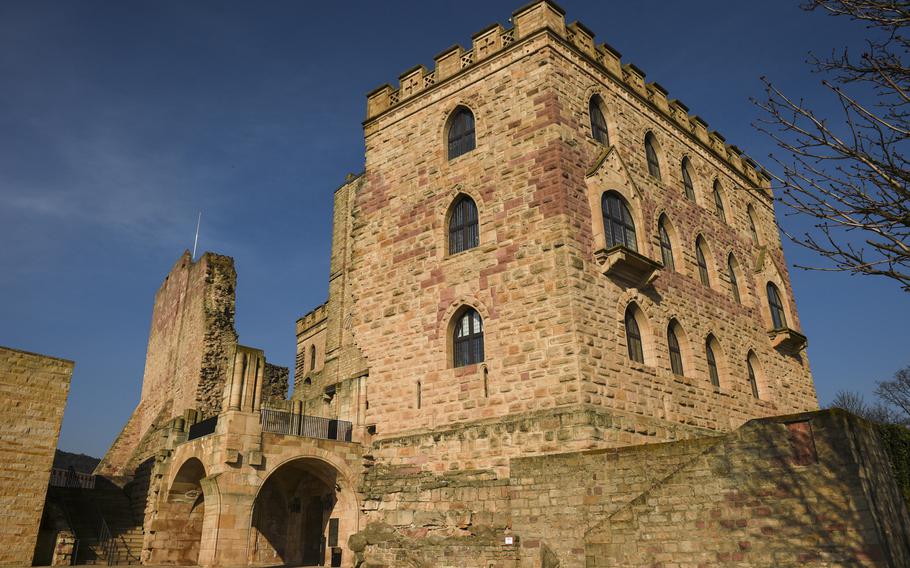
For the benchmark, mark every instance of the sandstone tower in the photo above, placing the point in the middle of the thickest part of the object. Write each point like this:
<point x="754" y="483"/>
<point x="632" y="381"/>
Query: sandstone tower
<point x="552" y="128"/>
<point x="560" y="331"/>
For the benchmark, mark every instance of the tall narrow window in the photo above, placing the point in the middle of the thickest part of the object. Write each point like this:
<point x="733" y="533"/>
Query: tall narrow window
<point x="419" y="394"/>
<point x="651" y="155"/>
<point x="468" y="338"/>
<point x="702" y="263"/>
<point x="753" y="232"/>
<point x="619" y="228"/>
<point x="666" y="247"/>
<point x="712" y="362"/>
<point x="731" y="272"/>
<point x="312" y="357"/>
<point x="719" y="203"/>
<point x="598" y="122"/>
<point x="463" y="225"/>
<point x="750" y="367"/>
<point x="778" y="317"/>
<point x="676" y="361"/>
<point x="687" y="181"/>
<point x="633" y="336"/>
<point x="461" y="132"/>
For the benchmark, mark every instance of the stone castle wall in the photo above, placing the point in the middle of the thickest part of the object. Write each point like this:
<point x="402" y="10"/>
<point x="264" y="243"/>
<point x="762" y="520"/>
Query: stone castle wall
<point x="553" y="321"/>
<point x="33" y="392"/>
<point x="191" y="344"/>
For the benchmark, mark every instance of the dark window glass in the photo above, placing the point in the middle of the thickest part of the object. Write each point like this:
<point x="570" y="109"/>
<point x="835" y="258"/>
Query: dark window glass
<point x="712" y="364"/>
<point x="752" y="230"/>
<point x="633" y="336"/>
<point x="687" y="180"/>
<point x="468" y="338"/>
<point x="731" y="270"/>
<point x="718" y="203"/>
<point x="778" y="318"/>
<point x="666" y="247"/>
<point x="752" y="380"/>
<point x="463" y="226"/>
<point x="461" y="132"/>
<point x="702" y="264"/>
<point x="618" y="225"/>
<point x="676" y="362"/>
<point x="598" y="122"/>
<point x="651" y="155"/>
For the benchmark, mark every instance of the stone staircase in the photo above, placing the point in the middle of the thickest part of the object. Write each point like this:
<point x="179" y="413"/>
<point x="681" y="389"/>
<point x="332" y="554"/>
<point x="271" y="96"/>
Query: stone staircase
<point x="103" y="521"/>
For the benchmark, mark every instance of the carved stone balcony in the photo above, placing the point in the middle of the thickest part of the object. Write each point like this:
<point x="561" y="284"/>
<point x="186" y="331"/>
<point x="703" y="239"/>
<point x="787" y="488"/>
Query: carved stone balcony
<point x="625" y="264"/>
<point x="787" y="341"/>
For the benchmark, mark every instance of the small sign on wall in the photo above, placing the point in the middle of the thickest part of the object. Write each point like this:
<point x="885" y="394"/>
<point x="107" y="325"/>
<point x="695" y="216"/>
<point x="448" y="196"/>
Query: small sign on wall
<point x="510" y="540"/>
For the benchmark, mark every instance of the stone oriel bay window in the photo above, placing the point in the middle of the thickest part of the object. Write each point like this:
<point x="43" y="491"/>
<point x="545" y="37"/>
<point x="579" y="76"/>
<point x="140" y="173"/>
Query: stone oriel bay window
<point x="619" y="247"/>
<point x="783" y="338"/>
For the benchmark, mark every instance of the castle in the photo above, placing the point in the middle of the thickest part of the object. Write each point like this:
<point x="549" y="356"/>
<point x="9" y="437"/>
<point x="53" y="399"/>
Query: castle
<point x="560" y="331"/>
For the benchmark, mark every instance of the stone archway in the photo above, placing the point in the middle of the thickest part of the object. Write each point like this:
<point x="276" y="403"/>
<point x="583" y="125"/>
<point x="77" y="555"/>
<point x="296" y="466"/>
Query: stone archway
<point x="303" y="516"/>
<point x="181" y="518"/>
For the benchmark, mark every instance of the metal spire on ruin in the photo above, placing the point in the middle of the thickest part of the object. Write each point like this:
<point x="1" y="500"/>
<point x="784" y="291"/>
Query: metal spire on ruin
<point x="196" y="240"/>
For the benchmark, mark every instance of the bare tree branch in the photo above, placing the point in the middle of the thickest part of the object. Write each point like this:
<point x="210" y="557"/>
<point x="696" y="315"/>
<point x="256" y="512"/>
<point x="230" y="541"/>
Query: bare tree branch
<point x="851" y="175"/>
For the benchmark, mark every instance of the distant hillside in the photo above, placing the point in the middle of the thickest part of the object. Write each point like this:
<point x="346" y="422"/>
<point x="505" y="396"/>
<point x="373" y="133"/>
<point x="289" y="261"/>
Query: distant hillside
<point x="80" y="462"/>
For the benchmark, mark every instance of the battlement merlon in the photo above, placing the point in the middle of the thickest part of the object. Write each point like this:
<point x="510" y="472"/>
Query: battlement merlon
<point x="547" y="15"/>
<point x="312" y="318"/>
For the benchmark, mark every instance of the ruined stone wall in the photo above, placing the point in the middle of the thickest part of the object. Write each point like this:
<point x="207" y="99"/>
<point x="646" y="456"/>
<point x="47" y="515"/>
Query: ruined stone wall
<point x="33" y="392"/>
<point x="803" y="490"/>
<point x="418" y="518"/>
<point x="275" y="383"/>
<point x="493" y="443"/>
<point x="191" y="342"/>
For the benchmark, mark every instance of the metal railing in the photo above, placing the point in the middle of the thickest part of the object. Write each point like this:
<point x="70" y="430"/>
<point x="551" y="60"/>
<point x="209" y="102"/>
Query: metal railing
<point x="71" y="478"/>
<point x="281" y="422"/>
<point x="202" y="428"/>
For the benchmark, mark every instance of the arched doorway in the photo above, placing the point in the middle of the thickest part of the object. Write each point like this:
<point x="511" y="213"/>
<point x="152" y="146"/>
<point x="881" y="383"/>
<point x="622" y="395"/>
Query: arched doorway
<point x="302" y="516"/>
<point x="185" y="510"/>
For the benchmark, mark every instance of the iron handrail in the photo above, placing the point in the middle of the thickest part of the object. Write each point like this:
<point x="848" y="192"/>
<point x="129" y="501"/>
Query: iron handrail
<point x="291" y="424"/>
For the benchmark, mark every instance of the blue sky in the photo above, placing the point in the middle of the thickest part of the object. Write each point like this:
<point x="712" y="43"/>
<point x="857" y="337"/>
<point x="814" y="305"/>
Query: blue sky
<point x="119" y="121"/>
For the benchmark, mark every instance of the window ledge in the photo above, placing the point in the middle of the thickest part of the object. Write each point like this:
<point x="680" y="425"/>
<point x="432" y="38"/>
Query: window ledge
<point x="787" y="341"/>
<point x="625" y="264"/>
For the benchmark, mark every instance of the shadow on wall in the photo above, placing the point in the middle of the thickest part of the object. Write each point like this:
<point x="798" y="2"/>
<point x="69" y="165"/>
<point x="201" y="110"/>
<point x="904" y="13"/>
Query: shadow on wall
<point x="806" y="490"/>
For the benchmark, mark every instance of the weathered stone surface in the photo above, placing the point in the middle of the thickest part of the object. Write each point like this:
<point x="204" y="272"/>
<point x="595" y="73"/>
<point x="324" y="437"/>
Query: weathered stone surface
<point x="33" y="391"/>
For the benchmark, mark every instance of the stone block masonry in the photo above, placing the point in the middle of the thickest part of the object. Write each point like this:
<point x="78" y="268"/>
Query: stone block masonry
<point x="191" y="345"/>
<point x="33" y="391"/>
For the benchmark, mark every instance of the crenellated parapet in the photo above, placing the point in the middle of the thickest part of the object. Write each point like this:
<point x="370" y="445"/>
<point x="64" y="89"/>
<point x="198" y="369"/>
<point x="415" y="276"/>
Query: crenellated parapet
<point x="546" y="15"/>
<point x="313" y="317"/>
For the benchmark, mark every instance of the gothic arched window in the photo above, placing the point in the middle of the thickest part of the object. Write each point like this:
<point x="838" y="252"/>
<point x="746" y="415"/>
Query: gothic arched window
<point x="464" y="231"/>
<point x="778" y="317"/>
<point x="619" y="228"/>
<point x="719" y="203"/>
<point x="731" y="272"/>
<point x="713" y="373"/>
<point x="312" y="357"/>
<point x="687" y="180"/>
<point x="598" y="122"/>
<point x="460" y="132"/>
<point x="676" y="360"/>
<point x="666" y="246"/>
<point x="651" y="155"/>
<point x="702" y="263"/>
<point x="467" y="340"/>
<point x="751" y="362"/>
<point x="753" y="232"/>
<point x="633" y="336"/>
